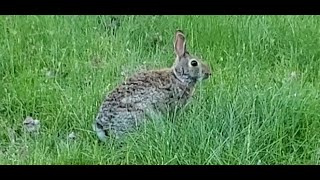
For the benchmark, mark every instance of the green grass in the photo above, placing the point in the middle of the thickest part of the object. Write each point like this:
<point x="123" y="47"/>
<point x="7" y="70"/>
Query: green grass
<point x="260" y="107"/>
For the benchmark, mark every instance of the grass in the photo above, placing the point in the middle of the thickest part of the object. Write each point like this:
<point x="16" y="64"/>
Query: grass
<point x="260" y="107"/>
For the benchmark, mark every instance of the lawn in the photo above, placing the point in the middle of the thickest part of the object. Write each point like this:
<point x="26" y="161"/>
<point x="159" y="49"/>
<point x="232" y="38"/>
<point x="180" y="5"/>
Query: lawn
<point x="261" y="106"/>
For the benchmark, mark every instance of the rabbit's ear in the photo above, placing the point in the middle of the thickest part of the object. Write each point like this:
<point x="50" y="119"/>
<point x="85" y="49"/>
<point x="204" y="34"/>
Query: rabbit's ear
<point x="180" y="44"/>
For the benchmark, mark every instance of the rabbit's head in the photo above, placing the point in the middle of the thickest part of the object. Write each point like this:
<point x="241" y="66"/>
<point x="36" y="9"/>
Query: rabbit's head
<point x="187" y="67"/>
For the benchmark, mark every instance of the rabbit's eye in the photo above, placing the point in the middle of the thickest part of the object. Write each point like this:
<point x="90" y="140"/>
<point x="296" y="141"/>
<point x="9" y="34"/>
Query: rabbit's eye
<point x="194" y="63"/>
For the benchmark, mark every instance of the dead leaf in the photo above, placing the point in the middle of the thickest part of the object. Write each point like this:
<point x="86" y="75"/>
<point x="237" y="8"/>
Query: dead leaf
<point x="31" y="125"/>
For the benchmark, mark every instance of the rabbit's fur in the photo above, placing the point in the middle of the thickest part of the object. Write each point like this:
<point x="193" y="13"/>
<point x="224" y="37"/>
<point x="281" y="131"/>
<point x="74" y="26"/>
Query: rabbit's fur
<point x="151" y="92"/>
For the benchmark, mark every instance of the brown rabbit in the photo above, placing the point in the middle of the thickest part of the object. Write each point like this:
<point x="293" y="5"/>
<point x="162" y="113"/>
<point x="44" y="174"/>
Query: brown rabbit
<point x="151" y="92"/>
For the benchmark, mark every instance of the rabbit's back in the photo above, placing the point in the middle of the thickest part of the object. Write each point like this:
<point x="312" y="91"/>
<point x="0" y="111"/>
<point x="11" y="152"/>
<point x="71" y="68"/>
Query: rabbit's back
<point x="146" y="93"/>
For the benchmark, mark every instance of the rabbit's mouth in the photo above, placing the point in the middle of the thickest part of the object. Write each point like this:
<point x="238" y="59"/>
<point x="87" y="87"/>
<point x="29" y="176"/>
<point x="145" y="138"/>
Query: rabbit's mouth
<point x="205" y="76"/>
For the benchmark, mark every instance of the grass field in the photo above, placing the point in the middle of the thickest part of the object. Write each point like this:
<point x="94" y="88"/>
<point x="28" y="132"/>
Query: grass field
<point x="260" y="107"/>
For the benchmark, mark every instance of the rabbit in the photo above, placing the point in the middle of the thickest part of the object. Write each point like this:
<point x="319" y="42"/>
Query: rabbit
<point x="151" y="92"/>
